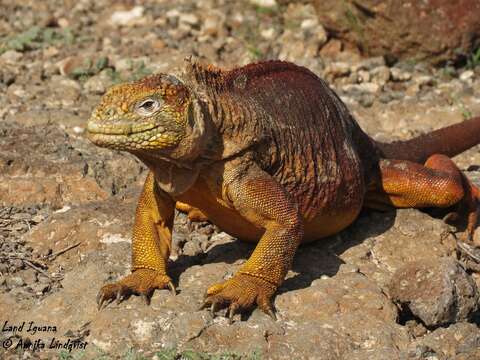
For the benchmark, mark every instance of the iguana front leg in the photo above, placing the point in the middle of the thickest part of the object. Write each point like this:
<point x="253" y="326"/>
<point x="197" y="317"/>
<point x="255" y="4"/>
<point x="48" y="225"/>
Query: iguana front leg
<point x="263" y="202"/>
<point x="152" y="234"/>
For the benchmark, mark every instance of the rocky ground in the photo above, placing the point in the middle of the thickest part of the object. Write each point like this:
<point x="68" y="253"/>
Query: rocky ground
<point x="392" y="286"/>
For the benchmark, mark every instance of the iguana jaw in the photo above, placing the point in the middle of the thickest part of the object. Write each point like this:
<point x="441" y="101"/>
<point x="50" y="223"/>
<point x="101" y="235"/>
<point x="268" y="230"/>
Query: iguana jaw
<point x="128" y="136"/>
<point x="120" y="127"/>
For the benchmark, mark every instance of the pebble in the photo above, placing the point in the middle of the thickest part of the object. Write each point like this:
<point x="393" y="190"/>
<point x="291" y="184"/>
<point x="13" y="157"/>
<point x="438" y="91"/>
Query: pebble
<point x="15" y="281"/>
<point x="200" y="239"/>
<point x="380" y="75"/>
<point x="366" y="100"/>
<point x="398" y="74"/>
<point x="78" y="130"/>
<point x="40" y="289"/>
<point x="412" y="90"/>
<point x="11" y="56"/>
<point x="368" y="87"/>
<point x="337" y="69"/>
<point x="3" y="268"/>
<point x="43" y="279"/>
<point x="172" y="14"/>
<point x="50" y="52"/>
<point x="423" y="80"/>
<point x="331" y="49"/>
<point x="63" y="23"/>
<point x="178" y="239"/>
<point x="268" y="34"/>
<point x="363" y="76"/>
<point x="29" y="276"/>
<point x="98" y="84"/>
<point x="309" y="24"/>
<point x="212" y="24"/>
<point x="385" y="98"/>
<point x="192" y="248"/>
<point x="18" y="264"/>
<point x="264" y="3"/>
<point x="467" y="75"/>
<point x="189" y="19"/>
<point x="369" y="64"/>
<point x="39" y="218"/>
<point x="127" y="17"/>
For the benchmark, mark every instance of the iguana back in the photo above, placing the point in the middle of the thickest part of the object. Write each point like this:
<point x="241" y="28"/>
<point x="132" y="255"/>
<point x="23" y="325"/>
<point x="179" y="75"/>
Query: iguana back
<point x="298" y="129"/>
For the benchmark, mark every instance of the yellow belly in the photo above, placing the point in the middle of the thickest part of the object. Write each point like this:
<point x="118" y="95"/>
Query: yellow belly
<point x="327" y="222"/>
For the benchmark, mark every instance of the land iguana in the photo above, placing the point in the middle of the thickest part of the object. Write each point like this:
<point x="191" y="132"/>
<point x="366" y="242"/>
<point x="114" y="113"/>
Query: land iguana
<point x="270" y="154"/>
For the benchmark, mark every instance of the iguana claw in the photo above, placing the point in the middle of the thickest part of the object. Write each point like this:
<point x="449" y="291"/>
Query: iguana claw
<point x="239" y="293"/>
<point x="141" y="282"/>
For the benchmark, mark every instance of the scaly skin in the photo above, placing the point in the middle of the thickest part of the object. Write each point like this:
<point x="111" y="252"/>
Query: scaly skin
<point x="270" y="154"/>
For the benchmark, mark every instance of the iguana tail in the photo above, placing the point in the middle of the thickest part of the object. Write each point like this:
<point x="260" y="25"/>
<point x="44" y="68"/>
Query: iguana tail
<point x="449" y="141"/>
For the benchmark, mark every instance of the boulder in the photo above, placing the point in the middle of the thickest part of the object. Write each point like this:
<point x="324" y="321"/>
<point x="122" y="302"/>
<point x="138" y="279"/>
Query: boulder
<point x="436" y="30"/>
<point x="437" y="291"/>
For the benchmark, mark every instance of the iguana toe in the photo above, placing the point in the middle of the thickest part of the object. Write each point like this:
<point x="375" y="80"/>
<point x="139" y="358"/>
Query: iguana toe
<point x="242" y="292"/>
<point x="142" y="282"/>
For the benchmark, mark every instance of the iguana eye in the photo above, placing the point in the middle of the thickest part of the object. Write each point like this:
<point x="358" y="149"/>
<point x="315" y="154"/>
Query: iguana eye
<point x="148" y="107"/>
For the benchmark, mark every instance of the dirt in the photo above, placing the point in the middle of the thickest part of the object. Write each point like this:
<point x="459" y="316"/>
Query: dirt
<point x="66" y="207"/>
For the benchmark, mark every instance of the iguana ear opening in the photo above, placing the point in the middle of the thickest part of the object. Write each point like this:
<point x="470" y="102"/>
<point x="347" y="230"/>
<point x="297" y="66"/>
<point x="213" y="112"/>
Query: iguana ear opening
<point x="195" y="139"/>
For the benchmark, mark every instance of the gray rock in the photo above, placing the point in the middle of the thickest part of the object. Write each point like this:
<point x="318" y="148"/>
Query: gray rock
<point x="192" y="248"/>
<point x="11" y="56"/>
<point x="392" y="28"/>
<point x="128" y="17"/>
<point x="15" y="281"/>
<point x="29" y="276"/>
<point x="437" y="291"/>
<point x="366" y="100"/>
<point x="380" y="75"/>
<point x="400" y="74"/>
<point x="467" y="75"/>
<point x="458" y="341"/>
<point x="369" y="63"/>
<point x="363" y="76"/>
<point x="4" y="268"/>
<point x="264" y="3"/>
<point x="337" y="69"/>
<point x="98" y="84"/>
<point x="189" y="19"/>
<point x="368" y="87"/>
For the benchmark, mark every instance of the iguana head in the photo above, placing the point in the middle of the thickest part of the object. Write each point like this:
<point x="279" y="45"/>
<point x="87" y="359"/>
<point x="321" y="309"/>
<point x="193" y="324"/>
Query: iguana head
<point x="154" y="115"/>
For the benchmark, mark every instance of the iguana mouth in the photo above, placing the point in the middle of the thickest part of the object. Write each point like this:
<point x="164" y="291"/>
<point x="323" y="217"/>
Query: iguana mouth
<point x="122" y="135"/>
<point x="120" y="127"/>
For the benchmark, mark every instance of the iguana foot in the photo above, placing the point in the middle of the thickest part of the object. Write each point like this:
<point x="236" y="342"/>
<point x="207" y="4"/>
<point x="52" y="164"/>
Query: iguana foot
<point x="141" y="282"/>
<point x="469" y="205"/>
<point x="193" y="214"/>
<point x="241" y="292"/>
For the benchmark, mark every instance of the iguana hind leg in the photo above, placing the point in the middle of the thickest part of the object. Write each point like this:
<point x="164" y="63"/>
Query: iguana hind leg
<point x="437" y="183"/>
<point x="152" y="234"/>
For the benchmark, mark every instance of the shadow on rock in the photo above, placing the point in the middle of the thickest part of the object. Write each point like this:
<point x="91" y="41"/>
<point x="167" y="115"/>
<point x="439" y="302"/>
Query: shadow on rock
<point x="311" y="261"/>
